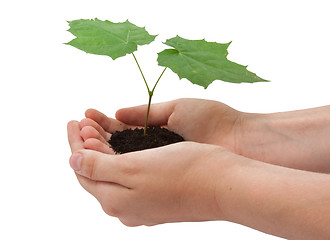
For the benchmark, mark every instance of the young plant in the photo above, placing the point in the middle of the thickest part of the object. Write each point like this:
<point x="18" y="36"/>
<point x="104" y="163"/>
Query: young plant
<point x="199" y="61"/>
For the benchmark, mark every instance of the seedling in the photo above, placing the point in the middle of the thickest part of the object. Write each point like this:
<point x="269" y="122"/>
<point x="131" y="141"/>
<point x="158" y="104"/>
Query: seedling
<point x="199" y="61"/>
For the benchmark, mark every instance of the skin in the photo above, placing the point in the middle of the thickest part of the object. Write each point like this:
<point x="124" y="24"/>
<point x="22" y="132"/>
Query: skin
<point x="297" y="139"/>
<point x="204" y="178"/>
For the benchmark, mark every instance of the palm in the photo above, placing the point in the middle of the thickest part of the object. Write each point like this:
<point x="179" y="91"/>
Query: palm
<point x="204" y="121"/>
<point x="196" y="120"/>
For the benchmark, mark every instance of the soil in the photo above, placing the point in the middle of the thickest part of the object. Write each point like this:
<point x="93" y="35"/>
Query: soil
<point x="131" y="140"/>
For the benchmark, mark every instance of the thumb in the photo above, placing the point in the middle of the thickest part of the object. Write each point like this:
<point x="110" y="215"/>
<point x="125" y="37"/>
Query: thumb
<point x="158" y="115"/>
<point x="98" y="166"/>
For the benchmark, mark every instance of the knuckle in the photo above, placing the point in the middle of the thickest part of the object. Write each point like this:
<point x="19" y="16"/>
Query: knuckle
<point x="129" y="168"/>
<point x="113" y="204"/>
<point x="129" y="223"/>
<point x="92" y="143"/>
<point x="83" y="122"/>
<point x="88" y="130"/>
<point x="111" y="210"/>
<point x="90" y="167"/>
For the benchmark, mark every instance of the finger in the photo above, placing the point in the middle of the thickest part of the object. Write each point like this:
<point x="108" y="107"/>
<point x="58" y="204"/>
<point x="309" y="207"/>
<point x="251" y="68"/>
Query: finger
<point x="97" y="145"/>
<point x="100" y="190"/>
<point x="75" y="140"/>
<point x="90" y="132"/>
<point x="99" y="166"/>
<point x="89" y="185"/>
<point x="158" y="115"/>
<point x="108" y="124"/>
<point x="90" y="122"/>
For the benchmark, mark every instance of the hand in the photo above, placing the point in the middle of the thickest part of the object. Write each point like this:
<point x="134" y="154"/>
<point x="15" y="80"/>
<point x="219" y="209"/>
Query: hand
<point x="195" y="182"/>
<point x="168" y="184"/>
<point x="290" y="139"/>
<point x="196" y="120"/>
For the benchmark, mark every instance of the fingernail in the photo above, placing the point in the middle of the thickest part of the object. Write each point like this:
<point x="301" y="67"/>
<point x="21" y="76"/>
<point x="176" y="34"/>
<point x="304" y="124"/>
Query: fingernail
<point x="75" y="161"/>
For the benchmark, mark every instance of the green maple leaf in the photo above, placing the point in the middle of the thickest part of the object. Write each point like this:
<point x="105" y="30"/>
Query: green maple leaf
<point x="202" y="62"/>
<point x="107" y="38"/>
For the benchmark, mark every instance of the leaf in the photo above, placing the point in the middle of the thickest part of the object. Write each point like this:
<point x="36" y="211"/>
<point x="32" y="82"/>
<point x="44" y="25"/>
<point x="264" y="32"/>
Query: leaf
<point x="107" y="38"/>
<point x="202" y="62"/>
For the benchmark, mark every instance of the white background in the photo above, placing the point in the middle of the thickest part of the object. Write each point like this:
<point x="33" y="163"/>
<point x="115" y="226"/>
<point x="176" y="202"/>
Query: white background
<point x="44" y="84"/>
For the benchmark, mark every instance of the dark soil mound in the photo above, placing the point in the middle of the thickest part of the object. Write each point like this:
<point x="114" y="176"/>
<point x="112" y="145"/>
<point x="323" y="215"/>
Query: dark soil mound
<point x="131" y="140"/>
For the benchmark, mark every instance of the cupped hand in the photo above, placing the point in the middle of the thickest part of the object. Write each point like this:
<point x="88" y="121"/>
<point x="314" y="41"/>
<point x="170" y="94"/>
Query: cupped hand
<point x="197" y="120"/>
<point x="174" y="183"/>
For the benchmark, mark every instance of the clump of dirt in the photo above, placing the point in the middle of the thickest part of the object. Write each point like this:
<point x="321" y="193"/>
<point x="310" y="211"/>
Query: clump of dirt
<point x="131" y="140"/>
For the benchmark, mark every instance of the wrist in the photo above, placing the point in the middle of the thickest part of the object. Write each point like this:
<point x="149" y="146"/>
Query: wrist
<point x="276" y="200"/>
<point x="296" y="139"/>
<point x="252" y="133"/>
<point x="227" y="171"/>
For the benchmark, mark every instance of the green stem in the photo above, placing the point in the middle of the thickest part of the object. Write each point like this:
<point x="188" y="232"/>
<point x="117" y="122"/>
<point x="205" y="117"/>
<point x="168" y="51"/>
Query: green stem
<point x="147" y="117"/>
<point x="158" y="80"/>
<point x="151" y="93"/>
<point x="141" y="72"/>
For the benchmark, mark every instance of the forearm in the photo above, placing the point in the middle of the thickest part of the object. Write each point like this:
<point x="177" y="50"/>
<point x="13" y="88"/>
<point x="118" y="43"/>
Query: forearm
<point x="289" y="203"/>
<point x="297" y="139"/>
